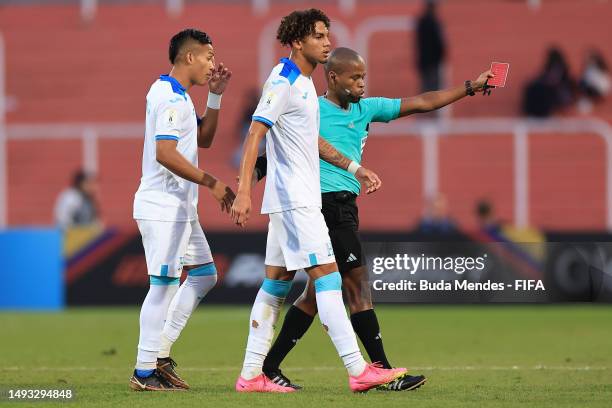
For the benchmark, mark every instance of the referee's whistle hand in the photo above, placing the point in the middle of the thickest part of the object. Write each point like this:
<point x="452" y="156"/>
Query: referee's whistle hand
<point x="369" y="179"/>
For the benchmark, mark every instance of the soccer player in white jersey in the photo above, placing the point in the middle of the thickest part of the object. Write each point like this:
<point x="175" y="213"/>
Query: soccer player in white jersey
<point x="165" y="205"/>
<point x="288" y="115"/>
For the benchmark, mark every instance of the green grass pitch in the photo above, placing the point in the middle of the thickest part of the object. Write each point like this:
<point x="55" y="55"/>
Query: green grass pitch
<point x="493" y="356"/>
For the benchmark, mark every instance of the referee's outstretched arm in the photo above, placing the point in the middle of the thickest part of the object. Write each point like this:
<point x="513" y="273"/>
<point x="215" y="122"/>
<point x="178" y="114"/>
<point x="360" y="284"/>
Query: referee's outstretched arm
<point x="430" y="101"/>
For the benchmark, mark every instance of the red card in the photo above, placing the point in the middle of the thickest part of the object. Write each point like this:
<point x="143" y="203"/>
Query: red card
<point x="500" y="70"/>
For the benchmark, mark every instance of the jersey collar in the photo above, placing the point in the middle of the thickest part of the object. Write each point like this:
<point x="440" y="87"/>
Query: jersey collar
<point x="291" y="71"/>
<point x="176" y="85"/>
<point x="335" y="105"/>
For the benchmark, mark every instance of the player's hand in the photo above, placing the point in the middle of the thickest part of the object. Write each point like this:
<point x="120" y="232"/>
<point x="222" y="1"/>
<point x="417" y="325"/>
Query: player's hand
<point x="241" y="210"/>
<point x="479" y="83"/>
<point x="369" y="179"/>
<point x="224" y="195"/>
<point x="219" y="79"/>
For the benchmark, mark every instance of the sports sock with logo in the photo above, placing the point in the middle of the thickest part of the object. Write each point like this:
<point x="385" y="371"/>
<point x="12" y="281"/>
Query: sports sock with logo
<point x="296" y="323"/>
<point x="198" y="283"/>
<point x="264" y="315"/>
<point x="366" y="326"/>
<point x="152" y="315"/>
<point x="333" y="316"/>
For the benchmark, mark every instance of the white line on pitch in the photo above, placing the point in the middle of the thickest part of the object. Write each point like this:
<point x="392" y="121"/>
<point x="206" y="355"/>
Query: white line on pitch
<point x="339" y="368"/>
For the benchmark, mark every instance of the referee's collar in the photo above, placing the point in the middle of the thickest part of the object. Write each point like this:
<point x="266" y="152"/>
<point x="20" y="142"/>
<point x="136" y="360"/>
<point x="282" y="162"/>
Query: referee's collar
<point x="176" y="85"/>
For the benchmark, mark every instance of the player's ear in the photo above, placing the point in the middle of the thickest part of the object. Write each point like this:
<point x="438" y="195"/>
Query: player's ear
<point x="189" y="57"/>
<point x="332" y="76"/>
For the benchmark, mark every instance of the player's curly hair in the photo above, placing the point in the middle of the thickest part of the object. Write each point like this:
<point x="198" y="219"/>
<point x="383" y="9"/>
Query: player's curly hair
<point x="183" y="37"/>
<point x="299" y="24"/>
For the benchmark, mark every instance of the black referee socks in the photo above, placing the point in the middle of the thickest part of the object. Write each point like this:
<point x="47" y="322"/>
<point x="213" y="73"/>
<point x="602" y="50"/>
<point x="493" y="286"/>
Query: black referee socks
<point x="366" y="326"/>
<point x="296" y="323"/>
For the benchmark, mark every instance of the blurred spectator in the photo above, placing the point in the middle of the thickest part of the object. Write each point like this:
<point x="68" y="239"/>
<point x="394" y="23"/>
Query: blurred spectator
<point x="77" y="205"/>
<point x="251" y="100"/>
<point x="595" y="79"/>
<point x="552" y="90"/>
<point x="435" y="218"/>
<point x="431" y="48"/>
<point x="487" y="221"/>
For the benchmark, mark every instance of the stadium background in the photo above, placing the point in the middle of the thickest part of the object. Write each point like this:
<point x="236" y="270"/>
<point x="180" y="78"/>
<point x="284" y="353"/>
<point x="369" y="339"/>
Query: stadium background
<point x="75" y="76"/>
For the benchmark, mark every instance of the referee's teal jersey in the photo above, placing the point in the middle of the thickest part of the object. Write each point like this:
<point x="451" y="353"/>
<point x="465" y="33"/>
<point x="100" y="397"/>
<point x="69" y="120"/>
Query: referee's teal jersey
<point x="347" y="130"/>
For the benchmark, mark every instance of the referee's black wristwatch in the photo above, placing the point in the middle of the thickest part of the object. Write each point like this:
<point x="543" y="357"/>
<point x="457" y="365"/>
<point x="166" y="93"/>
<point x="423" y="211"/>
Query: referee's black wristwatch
<point x="468" y="88"/>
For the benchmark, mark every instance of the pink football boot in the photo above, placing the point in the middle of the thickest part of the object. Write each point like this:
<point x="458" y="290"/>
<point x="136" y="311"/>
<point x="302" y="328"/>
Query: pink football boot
<point x="374" y="375"/>
<point x="261" y="383"/>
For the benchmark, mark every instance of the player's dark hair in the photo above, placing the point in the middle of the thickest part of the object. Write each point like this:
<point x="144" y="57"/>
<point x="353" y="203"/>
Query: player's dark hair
<point x="183" y="37"/>
<point x="299" y="24"/>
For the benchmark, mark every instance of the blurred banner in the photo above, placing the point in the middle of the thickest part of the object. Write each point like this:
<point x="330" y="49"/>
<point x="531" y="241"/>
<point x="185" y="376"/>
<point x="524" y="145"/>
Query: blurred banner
<point x="31" y="275"/>
<point x="111" y="269"/>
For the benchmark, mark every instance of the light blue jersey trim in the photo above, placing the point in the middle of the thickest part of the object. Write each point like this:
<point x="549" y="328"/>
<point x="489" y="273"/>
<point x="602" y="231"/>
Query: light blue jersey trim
<point x="166" y="137"/>
<point x="332" y="281"/>
<point x="263" y="120"/>
<point x="163" y="280"/>
<point x="204" y="270"/>
<point x="164" y="270"/>
<point x="313" y="259"/>
<point x="276" y="288"/>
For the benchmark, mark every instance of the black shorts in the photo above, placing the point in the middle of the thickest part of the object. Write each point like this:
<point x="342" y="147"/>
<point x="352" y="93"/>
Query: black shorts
<point x="342" y="219"/>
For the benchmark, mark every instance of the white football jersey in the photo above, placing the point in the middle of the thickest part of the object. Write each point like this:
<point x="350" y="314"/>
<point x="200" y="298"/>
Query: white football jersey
<point x="162" y="195"/>
<point x="289" y="106"/>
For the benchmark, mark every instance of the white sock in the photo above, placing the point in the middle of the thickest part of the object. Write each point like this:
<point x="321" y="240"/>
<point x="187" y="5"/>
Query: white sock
<point x="264" y="315"/>
<point x="335" y="321"/>
<point x="198" y="283"/>
<point x="152" y="316"/>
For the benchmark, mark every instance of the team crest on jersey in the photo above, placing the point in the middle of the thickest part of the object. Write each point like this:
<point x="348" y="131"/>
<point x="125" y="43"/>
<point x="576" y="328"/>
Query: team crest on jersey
<point x="171" y="117"/>
<point x="270" y="98"/>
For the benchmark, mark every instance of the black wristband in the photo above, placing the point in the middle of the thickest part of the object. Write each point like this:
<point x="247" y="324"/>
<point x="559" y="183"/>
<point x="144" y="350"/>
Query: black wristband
<point x="468" y="88"/>
<point x="261" y="167"/>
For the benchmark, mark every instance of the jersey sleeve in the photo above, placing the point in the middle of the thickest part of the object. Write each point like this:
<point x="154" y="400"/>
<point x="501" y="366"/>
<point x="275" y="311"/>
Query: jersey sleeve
<point x="274" y="101"/>
<point x="383" y="109"/>
<point x="168" y="120"/>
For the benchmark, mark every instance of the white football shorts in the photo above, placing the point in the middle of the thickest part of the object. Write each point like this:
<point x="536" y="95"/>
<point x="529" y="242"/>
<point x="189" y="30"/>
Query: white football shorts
<point x="298" y="239"/>
<point x="170" y="245"/>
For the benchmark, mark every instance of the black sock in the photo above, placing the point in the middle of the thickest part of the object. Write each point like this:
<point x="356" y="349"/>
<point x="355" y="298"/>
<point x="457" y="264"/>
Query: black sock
<point x="366" y="326"/>
<point x="295" y="325"/>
